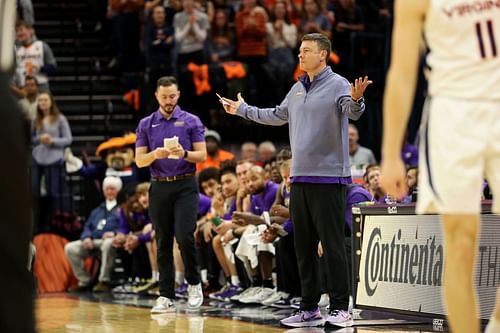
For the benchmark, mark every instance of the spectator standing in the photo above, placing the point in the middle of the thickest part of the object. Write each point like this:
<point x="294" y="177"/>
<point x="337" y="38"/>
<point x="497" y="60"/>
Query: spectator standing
<point x="191" y="28"/>
<point x="33" y="57"/>
<point x="50" y="135"/>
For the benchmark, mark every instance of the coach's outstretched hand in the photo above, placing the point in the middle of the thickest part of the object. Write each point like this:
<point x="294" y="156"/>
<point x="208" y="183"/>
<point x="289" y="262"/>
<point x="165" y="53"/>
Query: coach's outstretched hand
<point x="229" y="105"/>
<point x="359" y="87"/>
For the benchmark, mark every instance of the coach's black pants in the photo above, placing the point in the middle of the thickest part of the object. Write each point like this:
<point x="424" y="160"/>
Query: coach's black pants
<point x="286" y="264"/>
<point x="173" y="207"/>
<point x="318" y="213"/>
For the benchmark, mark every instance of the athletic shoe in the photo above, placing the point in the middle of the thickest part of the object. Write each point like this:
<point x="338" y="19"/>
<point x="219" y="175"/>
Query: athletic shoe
<point x="295" y="302"/>
<point x="150" y="284"/>
<point x="275" y="297"/>
<point x="231" y="291"/>
<point x="195" y="296"/>
<point x="340" y="318"/>
<point x="283" y="303"/>
<point x="216" y="295"/>
<point x="182" y="291"/>
<point x="258" y="297"/>
<point x="125" y="288"/>
<point x="304" y="319"/>
<point x="163" y="305"/>
<point x="247" y="292"/>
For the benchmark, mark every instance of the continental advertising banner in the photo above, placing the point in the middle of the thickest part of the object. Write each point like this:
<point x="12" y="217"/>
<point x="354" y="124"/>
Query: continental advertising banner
<point x="402" y="263"/>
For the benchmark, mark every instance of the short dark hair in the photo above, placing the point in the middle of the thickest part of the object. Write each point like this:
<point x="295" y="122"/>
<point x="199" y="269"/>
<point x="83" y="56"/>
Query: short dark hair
<point x="166" y="81"/>
<point x="207" y="174"/>
<point x="322" y="41"/>
<point x="227" y="167"/>
<point x="31" y="78"/>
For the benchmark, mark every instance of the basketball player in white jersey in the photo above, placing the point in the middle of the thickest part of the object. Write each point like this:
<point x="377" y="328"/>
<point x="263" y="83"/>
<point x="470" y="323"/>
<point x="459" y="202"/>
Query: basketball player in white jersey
<point x="461" y="131"/>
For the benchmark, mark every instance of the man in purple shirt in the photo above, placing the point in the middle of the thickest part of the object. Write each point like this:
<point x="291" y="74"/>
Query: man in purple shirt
<point x="317" y="109"/>
<point x="174" y="191"/>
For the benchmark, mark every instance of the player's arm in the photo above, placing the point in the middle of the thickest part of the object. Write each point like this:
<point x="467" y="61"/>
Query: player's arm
<point x="400" y="89"/>
<point x="402" y="77"/>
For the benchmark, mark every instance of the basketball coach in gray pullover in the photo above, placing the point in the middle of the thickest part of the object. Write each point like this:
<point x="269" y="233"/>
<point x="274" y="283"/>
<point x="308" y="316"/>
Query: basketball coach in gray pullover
<point x="317" y="109"/>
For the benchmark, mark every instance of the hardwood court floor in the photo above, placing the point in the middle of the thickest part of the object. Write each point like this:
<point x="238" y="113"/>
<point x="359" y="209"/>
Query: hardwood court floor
<point x="64" y="314"/>
<point x="87" y="313"/>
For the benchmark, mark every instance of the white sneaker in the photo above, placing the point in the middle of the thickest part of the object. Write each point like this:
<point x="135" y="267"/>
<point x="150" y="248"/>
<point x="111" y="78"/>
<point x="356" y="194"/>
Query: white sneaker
<point x="262" y="295"/>
<point x="324" y="300"/>
<point x="195" y="296"/>
<point x="163" y="305"/>
<point x="275" y="297"/>
<point x="247" y="292"/>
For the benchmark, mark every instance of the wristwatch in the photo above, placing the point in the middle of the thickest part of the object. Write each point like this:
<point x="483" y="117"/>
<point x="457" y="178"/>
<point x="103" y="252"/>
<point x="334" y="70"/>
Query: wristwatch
<point x="359" y="100"/>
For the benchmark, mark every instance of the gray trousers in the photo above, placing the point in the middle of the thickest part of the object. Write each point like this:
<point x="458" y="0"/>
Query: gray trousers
<point x="76" y="254"/>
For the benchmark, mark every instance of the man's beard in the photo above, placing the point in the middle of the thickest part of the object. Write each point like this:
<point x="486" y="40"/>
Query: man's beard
<point x="259" y="190"/>
<point x="168" y="109"/>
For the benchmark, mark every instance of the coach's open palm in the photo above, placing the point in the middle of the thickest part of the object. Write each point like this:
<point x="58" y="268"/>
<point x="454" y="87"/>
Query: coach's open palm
<point x="359" y="87"/>
<point x="229" y="105"/>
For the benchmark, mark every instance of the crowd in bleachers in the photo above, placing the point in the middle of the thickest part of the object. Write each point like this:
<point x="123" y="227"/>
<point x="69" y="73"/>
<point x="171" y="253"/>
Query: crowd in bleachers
<point x="229" y="46"/>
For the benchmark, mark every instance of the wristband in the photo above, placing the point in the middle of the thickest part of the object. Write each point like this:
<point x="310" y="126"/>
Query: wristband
<point x="185" y="154"/>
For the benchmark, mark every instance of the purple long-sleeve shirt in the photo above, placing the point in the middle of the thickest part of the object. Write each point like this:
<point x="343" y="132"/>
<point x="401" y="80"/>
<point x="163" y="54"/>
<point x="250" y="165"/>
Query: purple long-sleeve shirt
<point x="142" y="219"/>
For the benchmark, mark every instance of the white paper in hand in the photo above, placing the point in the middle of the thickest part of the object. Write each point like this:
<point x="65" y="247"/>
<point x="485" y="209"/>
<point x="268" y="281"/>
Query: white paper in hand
<point x="169" y="143"/>
<point x="222" y="100"/>
<point x="267" y="218"/>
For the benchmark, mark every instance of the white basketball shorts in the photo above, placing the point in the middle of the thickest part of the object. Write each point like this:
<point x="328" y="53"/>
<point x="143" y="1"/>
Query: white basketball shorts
<point x="459" y="149"/>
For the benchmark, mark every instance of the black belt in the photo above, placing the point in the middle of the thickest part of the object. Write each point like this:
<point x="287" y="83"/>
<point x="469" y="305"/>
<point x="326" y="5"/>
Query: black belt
<point x="169" y="179"/>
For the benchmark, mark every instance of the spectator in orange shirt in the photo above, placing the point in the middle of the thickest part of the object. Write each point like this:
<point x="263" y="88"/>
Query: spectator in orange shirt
<point x="215" y="155"/>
